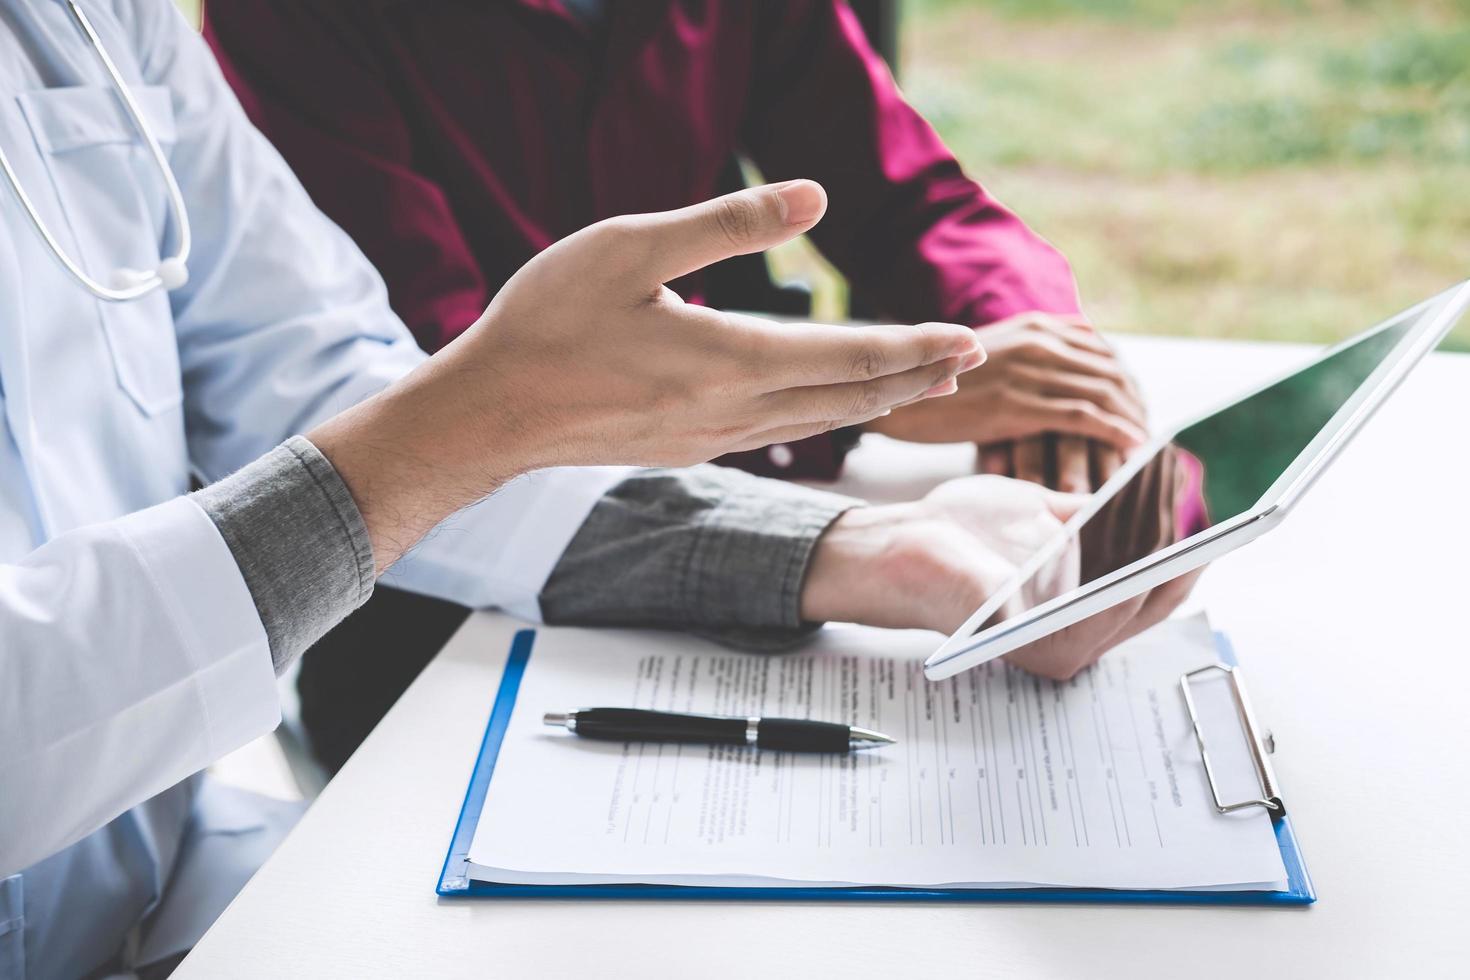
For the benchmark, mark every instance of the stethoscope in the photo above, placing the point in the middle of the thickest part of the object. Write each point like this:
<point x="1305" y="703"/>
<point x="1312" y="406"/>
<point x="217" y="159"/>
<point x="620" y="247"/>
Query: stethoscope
<point x="123" y="284"/>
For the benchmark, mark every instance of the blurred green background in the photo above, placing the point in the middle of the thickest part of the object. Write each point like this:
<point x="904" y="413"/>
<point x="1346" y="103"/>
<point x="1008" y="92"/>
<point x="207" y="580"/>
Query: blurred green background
<point x="1224" y="168"/>
<point x="1264" y="169"/>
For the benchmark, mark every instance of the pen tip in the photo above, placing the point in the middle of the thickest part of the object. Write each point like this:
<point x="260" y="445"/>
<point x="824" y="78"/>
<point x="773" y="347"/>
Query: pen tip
<point x="865" y="738"/>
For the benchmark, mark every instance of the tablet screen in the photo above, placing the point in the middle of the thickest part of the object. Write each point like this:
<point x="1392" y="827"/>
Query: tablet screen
<point x="1220" y="466"/>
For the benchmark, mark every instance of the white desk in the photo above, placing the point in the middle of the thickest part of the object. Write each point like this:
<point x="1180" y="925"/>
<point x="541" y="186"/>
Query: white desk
<point x="1351" y="618"/>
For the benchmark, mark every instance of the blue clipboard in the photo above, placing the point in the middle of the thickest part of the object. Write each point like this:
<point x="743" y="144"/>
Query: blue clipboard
<point x="455" y="880"/>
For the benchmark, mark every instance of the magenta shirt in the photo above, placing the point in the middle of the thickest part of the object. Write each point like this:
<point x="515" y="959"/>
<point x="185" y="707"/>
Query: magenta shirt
<point x="455" y="140"/>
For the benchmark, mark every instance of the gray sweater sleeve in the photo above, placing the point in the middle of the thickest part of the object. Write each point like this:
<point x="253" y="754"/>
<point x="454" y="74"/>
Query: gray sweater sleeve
<point x="299" y="540"/>
<point x="709" y="548"/>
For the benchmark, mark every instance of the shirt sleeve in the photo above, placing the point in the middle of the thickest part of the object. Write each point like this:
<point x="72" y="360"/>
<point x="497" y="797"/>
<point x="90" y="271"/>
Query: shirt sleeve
<point x="299" y="541"/>
<point x="132" y="657"/>
<point x="906" y="226"/>
<point x="709" y="548"/>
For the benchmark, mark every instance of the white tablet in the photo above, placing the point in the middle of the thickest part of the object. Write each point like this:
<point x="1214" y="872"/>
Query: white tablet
<point x="1243" y="465"/>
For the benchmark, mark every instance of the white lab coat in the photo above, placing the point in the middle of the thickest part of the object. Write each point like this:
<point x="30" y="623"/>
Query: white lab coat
<point x="131" y="655"/>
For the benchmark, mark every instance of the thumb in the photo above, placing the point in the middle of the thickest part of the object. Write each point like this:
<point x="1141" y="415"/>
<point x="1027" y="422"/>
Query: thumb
<point x="753" y="220"/>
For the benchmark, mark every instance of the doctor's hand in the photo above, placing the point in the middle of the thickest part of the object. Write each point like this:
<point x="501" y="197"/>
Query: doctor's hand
<point x="1044" y="374"/>
<point x="586" y="357"/>
<point x="595" y="360"/>
<point x="931" y="563"/>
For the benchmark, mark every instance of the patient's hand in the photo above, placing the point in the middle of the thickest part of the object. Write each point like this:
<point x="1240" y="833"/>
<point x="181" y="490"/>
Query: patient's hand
<point x="931" y="563"/>
<point x="1045" y="374"/>
<point x="1067" y="651"/>
<point x="1071" y="464"/>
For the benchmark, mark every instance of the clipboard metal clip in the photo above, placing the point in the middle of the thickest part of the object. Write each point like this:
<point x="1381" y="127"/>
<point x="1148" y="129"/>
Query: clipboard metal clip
<point x="1261" y="743"/>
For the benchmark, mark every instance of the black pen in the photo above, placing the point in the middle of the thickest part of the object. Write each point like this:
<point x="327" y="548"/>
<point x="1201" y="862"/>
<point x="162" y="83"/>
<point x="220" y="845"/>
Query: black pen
<point x="780" y="734"/>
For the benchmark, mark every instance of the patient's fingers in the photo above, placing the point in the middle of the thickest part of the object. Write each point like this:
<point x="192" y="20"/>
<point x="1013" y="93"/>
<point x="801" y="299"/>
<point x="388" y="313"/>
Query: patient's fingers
<point x="1068" y="342"/>
<point x="1111" y="396"/>
<point x="1069" y="650"/>
<point x="1063" y="653"/>
<point x="1030" y="459"/>
<point x="1157" y="607"/>
<point x="1060" y="355"/>
<point x="1105" y="462"/>
<point x="995" y="459"/>
<point x="1145" y="612"/>
<point x="1073" y="465"/>
<point x="1079" y="335"/>
<point x="1076" y="416"/>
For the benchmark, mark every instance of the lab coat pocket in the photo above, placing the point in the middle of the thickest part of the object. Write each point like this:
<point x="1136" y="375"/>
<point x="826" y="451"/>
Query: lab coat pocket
<point x="109" y="209"/>
<point x="12" y="929"/>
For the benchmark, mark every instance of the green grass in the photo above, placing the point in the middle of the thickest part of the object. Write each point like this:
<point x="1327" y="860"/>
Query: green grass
<point x="1234" y="168"/>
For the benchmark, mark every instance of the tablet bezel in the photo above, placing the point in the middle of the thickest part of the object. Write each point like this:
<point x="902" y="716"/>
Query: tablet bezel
<point x="965" y="648"/>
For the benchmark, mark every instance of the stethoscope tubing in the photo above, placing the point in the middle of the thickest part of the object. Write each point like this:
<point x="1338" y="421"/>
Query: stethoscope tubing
<point x="148" y="281"/>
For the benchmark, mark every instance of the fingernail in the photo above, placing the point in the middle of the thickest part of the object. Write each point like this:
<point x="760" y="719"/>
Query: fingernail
<point x="965" y="341"/>
<point x="943" y="388"/>
<point x="973" y="360"/>
<point x="800" y="201"/>
<point x="968" y="346"/>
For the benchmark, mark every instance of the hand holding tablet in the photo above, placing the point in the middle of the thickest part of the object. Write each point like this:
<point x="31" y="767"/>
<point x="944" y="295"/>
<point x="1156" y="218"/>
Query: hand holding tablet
<point x="1149" y="513"/>
<point x="1251" y="461"/>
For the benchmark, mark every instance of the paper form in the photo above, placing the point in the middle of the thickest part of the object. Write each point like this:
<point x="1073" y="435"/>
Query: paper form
<point x="999" y="778"/>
